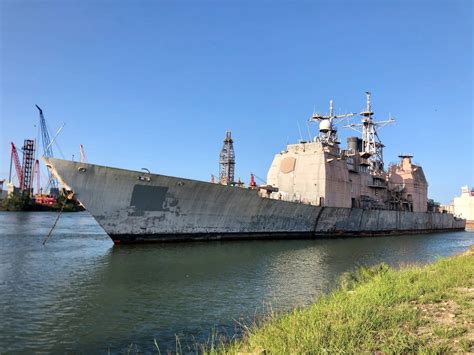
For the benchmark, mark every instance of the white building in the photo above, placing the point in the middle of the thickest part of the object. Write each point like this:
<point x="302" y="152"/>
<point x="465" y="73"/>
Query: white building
<point x="464" y="206"/>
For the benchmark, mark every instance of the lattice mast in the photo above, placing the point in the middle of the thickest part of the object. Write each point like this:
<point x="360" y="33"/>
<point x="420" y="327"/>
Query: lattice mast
<point x="227" y="161"/>
<point x="371" y="144"/>
<point x="327" y="130"/>
<point x="47" y="146"/>
<point x="28" y="161"/>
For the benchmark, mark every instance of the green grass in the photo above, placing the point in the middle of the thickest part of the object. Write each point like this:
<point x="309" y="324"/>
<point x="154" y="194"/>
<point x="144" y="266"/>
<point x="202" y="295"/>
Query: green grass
<point x="425" y="309"/>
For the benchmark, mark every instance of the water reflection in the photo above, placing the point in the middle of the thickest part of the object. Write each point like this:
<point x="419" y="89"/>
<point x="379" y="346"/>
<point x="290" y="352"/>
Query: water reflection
<point x="81" y="293"/>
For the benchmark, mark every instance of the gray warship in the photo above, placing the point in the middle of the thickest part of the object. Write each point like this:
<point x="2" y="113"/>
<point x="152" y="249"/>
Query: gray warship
<point x="313" y="189"/>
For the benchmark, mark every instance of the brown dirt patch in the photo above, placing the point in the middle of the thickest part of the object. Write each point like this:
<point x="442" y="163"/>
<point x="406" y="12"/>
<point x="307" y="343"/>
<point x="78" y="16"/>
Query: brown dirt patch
<point x="449" y="323"/>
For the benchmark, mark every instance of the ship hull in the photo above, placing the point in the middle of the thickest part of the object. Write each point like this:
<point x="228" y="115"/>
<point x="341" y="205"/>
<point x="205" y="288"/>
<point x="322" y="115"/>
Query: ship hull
<point x="201" y="237"/>
<point x="133" y="207"/>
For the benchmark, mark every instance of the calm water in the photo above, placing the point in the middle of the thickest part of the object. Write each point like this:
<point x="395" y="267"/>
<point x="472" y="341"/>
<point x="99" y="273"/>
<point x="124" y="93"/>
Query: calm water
<point x="79" y="292"/>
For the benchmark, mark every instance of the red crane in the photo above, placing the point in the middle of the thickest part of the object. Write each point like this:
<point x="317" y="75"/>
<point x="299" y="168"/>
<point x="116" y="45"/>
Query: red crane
<point x="252" y="181"/>
<point x="16" y="161"/>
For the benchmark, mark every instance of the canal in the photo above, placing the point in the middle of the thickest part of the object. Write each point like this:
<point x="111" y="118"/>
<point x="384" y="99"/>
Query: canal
<point x="82" y="293"/>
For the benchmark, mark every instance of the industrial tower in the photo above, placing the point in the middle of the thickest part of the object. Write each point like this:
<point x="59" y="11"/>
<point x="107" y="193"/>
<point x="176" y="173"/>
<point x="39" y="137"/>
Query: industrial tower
<point x="28" y="160"/>
<point x="227" y="161"/>
<point x="372" y="147"/>
<point x="24" y="172"/>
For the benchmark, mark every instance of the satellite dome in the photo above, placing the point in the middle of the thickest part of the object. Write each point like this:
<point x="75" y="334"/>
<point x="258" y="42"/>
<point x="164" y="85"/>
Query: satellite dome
<point x="325" y="126"/>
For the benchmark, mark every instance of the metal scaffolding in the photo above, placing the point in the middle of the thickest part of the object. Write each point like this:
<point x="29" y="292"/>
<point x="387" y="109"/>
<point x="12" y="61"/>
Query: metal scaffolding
<point x="28" y="160"/>
<point x="227" y="161"/>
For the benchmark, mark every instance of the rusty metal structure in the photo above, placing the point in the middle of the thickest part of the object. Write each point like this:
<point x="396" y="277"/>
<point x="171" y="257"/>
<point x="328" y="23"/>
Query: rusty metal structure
<point x="227" y="161"/>
<point x="27" y="166"/>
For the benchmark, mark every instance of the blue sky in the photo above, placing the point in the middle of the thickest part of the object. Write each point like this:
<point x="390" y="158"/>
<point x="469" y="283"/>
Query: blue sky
<point x="155" y="84"/>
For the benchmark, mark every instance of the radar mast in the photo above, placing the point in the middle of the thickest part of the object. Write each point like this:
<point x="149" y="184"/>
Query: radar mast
<point x="372" y="147"/>
<point x="327" y="131"/>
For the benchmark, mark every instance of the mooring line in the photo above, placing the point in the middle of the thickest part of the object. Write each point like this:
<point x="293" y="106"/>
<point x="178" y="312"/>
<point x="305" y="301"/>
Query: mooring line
<point x="54" y="225"/>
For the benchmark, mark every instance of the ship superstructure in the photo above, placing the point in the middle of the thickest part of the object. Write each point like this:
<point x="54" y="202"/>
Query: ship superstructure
<point x="321" y="173"/>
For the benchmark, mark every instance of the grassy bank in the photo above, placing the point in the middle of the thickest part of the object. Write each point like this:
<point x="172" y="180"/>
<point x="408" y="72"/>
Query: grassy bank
<point x="415" y="309"/>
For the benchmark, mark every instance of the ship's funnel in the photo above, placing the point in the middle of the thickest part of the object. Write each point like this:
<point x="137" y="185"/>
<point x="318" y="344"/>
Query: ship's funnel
<point x="355" y="144"/>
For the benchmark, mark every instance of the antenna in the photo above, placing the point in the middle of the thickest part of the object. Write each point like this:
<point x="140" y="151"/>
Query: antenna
<point x="299" y="130"/>
<point x="309" y="132"/>
<point x="327" y="131"/>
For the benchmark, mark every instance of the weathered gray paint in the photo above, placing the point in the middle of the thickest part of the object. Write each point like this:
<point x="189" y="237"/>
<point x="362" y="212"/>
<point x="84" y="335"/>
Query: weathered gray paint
<point x="124" y="203"/>
<point x="149" y="198"/>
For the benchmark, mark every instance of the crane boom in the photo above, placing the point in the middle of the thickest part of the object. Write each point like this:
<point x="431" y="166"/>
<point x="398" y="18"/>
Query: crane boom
<point x="56" y="135"/>
<point x="83" y="154"/>
<point x="16" y="161"/>
<point x="47" y="148"/>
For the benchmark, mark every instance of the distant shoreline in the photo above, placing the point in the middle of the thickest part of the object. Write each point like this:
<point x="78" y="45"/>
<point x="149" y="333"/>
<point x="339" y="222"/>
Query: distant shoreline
<point x="26" y="204"/>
